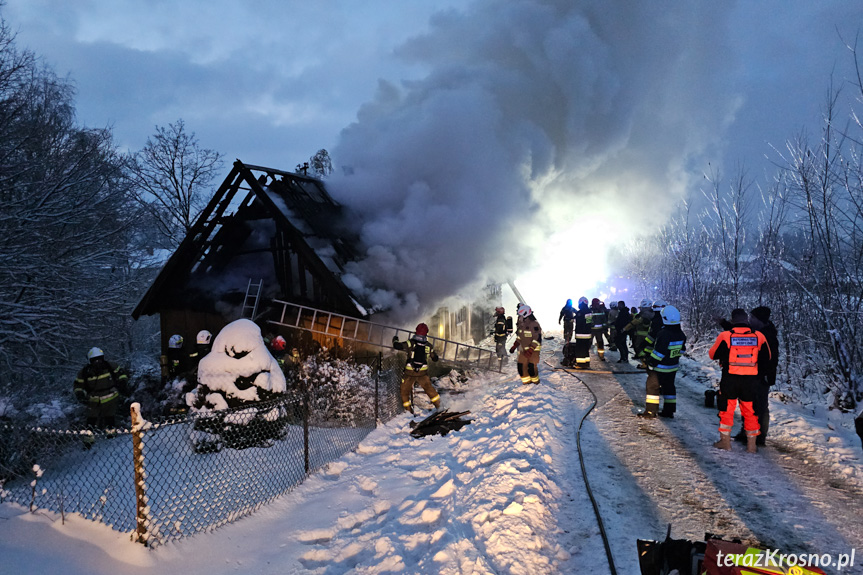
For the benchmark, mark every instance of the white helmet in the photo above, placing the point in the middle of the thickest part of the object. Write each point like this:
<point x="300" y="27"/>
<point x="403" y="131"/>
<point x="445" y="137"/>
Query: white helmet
<point x="524" y="310"/>
<point x="203" y="337"/>
<point x="659" y="304"/>
<point x="176" y="341"/>
<point x="670" y="315"/>
<point x="583" y="300"/>
<point x="94" y="353"/>
<point x="644" y="303"/>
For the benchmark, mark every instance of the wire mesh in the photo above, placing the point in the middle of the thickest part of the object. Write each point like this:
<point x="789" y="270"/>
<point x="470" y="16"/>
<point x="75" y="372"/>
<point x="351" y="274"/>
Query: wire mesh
<point x="210" y="466"/>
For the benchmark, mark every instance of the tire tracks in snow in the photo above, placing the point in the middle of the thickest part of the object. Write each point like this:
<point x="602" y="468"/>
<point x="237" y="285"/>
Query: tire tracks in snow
<point x="666" y="471"/>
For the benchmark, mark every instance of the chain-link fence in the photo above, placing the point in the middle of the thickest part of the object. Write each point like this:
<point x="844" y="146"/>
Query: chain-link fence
<point x="169" y="478"/>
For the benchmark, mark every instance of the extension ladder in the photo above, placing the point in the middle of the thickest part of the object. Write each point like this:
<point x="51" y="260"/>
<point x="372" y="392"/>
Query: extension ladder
<point x="359" y="330"/>
<point x="253" y="295"/>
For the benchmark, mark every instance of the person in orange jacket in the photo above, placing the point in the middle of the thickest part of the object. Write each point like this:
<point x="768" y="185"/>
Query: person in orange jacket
<point x="528" y="340"/>
<point x="742" y="353"/>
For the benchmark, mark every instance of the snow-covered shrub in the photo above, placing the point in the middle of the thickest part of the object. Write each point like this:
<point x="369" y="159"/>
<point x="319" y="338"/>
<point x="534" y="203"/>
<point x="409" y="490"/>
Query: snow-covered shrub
<point x="233" y="381"/>
<point x="340" y="391"/>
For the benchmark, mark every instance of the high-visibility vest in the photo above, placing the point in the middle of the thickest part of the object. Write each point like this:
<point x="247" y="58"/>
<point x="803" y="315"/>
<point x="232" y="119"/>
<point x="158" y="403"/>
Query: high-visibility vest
<point x="743" y="346"/>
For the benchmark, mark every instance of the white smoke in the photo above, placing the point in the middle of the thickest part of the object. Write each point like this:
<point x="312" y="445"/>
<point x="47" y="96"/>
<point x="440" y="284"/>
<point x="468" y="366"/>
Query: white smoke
<point x="536" y="118"/>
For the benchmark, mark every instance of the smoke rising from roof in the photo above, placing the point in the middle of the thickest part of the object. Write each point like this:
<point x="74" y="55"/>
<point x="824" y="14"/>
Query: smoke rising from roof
<point x="535" y="117"/>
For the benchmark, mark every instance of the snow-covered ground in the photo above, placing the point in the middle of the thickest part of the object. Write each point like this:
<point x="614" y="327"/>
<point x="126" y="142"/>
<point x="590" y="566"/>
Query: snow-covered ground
<point x="505" y="494"/>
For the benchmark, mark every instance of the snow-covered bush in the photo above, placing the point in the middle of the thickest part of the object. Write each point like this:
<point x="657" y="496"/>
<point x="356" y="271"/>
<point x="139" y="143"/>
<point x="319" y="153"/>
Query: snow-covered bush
<point x="233" y="379"/>
<point x="340" y="391"/>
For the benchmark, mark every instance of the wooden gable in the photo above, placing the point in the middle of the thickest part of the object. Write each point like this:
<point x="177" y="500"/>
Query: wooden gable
<point x="265" y="225"/>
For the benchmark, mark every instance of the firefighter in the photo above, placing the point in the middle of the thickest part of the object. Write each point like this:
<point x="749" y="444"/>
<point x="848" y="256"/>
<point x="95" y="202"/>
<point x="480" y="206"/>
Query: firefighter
<point x="598" y="327"/>
<point x="662" y="365"/>
<point x="528" y="339"/>
<point x="858" y="425"/>
<point x="203" y="346"/>
<point x="620" y="324"/>
<point x="655" y="325"/>
<point x="502" y="330"/>
<point x="743" y="354"/>
<point x="639" y="327"/>
<point x="277" y="347"/>
<point x="100" y="386"/>
<point x="177" y="360"/>
<point x="583" y="334"/>
<point x="612" y="329"/>
<point x="416" y="370"/>
<point x="566" y="314"/>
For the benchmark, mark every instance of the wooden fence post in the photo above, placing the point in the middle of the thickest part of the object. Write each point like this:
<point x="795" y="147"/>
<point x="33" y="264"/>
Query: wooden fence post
<point x="141" y="507"/>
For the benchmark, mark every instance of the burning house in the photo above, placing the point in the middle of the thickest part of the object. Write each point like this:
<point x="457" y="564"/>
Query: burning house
<point x="269" y="235"/>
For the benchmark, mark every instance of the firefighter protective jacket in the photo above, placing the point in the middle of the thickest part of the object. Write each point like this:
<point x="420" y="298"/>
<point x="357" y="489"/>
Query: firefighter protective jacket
<point x="99" y="382"/>
<point x="566" y="313"/>
<point x="583" y="322"/>
<point x="598" y="317"/>
<point x="741" y="351"/>
<point x="669" y="345"/>
<point x="419" y="352"/>
<point x="502" y="327"/>
<point x="528" y="334"/>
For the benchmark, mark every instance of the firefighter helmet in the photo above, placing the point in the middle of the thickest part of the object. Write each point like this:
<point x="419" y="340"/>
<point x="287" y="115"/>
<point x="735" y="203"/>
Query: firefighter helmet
<point x="670" y="315"/>
<point x="94" y="353"/>
<point x="203" y="337"/>
<point x="659" y="304"/>
<point x="582" y="300"/>
<point x="613" y="305"/>
<point x="422" y="329"/>
<point x="595" y="302"/>
<point x="279" y="343"/>
<point x="524" y="311"/>
<point x="644" y="303"/>
<point x="499" y="309"/>
<point x="176" y="341"/>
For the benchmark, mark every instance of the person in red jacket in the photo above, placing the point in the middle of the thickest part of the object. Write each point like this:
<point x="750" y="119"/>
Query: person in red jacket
<point x="742" y="353"/>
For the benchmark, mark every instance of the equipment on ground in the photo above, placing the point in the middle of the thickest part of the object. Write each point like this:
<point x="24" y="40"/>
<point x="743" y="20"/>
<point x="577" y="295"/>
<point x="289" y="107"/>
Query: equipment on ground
<point x="439" y="423"/>
<point x="714" y="556"/>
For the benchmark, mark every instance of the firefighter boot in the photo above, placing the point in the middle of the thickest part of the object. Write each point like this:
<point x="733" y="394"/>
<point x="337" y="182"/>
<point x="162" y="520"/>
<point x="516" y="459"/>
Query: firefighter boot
<point x="724" y="442"/>
<point x="601" y="353"/>
<point x="750" y="444"/>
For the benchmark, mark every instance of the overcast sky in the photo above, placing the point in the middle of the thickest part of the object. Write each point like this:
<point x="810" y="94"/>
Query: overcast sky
<point x="496" y="126"/>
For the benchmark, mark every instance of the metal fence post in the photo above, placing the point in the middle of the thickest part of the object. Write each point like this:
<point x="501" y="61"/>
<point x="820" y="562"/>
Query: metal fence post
<point x="138" y="462"/>
<point x="306" y="410"/>
<point x="377" y="381"/>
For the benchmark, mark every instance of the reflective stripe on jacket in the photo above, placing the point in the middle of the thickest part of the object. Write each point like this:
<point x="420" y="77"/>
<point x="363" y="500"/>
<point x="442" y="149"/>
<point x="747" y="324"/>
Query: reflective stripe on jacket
<point x="670" y="344"/>
<point x="740" y="349"/>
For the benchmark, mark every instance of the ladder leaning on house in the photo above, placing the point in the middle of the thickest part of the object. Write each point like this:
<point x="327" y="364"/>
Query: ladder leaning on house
<point x="359" y="330"/>
<point x="253" y="296"/>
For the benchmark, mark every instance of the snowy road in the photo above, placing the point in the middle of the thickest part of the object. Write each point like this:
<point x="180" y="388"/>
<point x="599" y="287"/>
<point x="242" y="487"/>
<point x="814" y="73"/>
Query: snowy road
<point x="666" y="471"/>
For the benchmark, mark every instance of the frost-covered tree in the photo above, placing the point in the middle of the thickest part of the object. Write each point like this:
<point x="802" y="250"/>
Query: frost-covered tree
<point x="321" y="164"/>
<point x="170" y="179"/>
<point x="65" y="271"/>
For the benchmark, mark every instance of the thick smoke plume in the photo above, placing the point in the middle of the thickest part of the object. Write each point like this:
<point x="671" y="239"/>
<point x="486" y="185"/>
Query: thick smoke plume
<point x="536" y="118"/>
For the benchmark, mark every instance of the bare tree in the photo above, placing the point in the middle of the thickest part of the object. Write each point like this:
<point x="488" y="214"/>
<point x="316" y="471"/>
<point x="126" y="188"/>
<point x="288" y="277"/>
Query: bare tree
<point x="170" y="178"/>
<point x="730" y="209"/>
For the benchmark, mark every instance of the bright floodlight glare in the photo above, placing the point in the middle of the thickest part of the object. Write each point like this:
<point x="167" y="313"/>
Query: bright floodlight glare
<point x="568" y="269"/>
